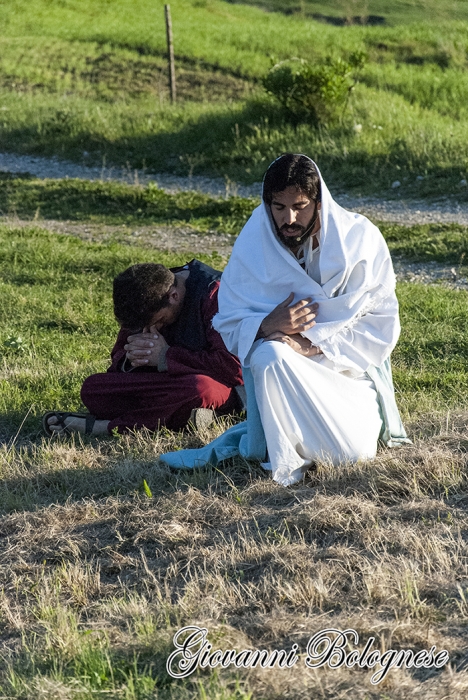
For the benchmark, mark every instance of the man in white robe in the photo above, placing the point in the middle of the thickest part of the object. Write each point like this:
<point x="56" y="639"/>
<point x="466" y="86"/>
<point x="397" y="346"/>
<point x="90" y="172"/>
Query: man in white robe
<point x="307" y="302"/>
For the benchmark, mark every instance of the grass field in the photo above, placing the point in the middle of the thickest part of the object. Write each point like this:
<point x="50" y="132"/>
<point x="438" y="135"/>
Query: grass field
<point x="98" y="573"/>
<point x="115" y="203"/>
<point x="87" y="81"/>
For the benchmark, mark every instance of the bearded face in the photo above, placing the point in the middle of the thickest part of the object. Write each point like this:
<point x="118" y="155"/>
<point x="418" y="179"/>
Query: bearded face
<point x="296" y="217"/>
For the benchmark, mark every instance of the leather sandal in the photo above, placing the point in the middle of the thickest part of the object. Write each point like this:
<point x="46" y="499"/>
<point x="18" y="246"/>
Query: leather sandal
<point x="61" y="417"/>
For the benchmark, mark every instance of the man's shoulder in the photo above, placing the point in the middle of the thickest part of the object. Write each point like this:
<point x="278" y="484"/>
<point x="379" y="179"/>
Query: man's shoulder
<point x="203" y="280"/>
<point x="197" y="266"/>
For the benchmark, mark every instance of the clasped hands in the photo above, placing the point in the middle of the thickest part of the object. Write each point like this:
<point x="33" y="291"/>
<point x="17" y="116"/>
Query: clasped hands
<point x="146" y="349"/>
<point x="286" y="323"/>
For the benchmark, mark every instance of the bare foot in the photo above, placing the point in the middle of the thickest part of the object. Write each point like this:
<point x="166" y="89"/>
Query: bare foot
<point x="77" y="425"/>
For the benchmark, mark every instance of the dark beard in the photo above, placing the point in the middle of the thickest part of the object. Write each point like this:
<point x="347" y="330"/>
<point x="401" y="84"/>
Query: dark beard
<point x="291" y="242"/>
<point x="303" y="232"/>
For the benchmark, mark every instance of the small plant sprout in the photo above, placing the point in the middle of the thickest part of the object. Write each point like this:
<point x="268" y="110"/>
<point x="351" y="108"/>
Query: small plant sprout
<point x="147" y="489"/>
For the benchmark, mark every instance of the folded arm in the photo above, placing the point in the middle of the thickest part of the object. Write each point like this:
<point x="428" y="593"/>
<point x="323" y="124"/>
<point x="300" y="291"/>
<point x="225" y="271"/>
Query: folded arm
<point x="151" y="350"/>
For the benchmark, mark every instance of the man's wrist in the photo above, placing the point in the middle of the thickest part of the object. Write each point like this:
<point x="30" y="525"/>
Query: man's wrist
<point x="315" y="350"/>
<point x="260" y="333"/>
<point x="312" y="350"/>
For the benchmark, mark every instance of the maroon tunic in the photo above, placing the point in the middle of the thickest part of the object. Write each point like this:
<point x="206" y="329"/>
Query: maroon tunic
<point x="147" y="398"/>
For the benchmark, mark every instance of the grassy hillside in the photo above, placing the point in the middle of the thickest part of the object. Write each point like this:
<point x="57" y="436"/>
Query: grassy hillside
<point x="371" y="12"/>
<point x="87" y="80"/>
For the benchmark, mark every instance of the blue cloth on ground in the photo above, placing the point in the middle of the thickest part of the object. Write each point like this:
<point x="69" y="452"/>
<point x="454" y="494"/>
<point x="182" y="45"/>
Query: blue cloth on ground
<point x="393" y="433"/>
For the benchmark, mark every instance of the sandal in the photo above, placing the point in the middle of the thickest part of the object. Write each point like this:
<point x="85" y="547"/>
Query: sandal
<point x="61" y="417"/>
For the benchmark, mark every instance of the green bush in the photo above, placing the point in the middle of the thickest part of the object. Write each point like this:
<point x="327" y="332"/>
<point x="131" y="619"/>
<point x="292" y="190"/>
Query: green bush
<point x="314" y="92"/>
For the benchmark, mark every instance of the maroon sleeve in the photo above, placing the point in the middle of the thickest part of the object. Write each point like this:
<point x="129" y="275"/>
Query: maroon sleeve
<point x="216" y="361"/>
<point x="118" y="353"/>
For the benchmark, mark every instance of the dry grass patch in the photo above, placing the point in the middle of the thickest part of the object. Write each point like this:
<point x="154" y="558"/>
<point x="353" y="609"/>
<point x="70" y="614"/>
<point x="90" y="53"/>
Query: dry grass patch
<point x="96" y="576"/>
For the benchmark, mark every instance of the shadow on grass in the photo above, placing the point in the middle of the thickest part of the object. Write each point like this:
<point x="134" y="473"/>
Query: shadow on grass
<point x="237" y="144"/>
<point x="43" y="487"/>
<point x="123" y="468"/>
<point x="103" y="468"/>
<point x="82" y="200"/>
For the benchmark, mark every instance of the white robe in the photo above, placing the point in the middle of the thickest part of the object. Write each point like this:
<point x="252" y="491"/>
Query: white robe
<point x="324" y="407"/>
<point x="311" y="413"/>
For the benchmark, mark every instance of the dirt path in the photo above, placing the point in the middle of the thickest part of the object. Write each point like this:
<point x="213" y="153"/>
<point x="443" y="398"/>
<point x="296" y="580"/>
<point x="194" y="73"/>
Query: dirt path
<point x="399" y="210"/>
<point x="182" y="239"/>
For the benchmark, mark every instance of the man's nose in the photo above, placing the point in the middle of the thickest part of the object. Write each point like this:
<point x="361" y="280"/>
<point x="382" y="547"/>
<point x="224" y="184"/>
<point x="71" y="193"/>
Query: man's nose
<point x="290" y="216"/>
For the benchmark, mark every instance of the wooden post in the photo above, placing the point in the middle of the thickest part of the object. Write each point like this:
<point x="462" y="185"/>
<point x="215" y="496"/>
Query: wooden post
<point x="170" y="53"/>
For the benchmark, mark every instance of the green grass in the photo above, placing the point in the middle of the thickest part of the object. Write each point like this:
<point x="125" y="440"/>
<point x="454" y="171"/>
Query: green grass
<point x="114" y="203"/>
<point x="237" y="38"/>
<point x="109" y="202"/>
<point x="105" y="72"/>
<point x="430" y="361"/>
<point x="89" y="78"/>
<point x="388" y="12"/>
<point x="444" y="243"/>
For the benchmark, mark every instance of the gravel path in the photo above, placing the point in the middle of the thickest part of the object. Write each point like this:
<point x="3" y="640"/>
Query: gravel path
<point x="398" y="210"/>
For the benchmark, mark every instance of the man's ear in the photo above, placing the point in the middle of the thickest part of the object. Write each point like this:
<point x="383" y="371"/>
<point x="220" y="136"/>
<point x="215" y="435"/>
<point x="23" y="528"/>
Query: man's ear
<point x="173" y="294"/>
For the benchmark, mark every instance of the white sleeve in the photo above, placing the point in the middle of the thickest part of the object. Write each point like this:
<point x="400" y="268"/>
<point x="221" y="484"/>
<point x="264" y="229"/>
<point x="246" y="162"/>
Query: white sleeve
<point x="369" y="341"/>
<point x="239" y="335"/>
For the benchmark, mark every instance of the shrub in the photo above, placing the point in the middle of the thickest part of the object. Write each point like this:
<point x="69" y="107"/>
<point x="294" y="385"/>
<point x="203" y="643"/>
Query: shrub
<point x="316" y="92"/>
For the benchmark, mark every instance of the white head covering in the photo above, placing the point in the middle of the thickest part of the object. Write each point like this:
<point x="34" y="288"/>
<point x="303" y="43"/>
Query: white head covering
<point x="356" y="273"/>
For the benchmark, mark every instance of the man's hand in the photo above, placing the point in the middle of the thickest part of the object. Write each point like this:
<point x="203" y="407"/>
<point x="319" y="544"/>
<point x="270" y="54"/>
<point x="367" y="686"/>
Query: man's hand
<point x="146" y="349"/>
<point x="297" y="342"/>
<point x="289" y="320"/>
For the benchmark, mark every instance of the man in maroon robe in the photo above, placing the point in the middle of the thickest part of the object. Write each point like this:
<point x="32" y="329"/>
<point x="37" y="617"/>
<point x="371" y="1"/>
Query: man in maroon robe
<point x="167" y="363"/>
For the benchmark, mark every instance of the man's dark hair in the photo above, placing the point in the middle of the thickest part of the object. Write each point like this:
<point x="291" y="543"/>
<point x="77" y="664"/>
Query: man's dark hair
<point x="291" y="170"/>
<point x="139" y="292"/>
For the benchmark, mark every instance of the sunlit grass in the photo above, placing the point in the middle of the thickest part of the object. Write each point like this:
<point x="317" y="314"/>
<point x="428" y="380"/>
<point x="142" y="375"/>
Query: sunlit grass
<point x="90" y="83"/>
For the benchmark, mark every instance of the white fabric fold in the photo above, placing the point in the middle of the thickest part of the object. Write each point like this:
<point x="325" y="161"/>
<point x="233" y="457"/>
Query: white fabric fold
<point x="311" y="413"/>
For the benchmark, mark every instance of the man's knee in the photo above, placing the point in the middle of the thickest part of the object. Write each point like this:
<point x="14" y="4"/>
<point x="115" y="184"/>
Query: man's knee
<point x="94" y="392"/>
<point x="269" y="353"/>
<point x="211" y="393"/>
<point x="91" y="387"/>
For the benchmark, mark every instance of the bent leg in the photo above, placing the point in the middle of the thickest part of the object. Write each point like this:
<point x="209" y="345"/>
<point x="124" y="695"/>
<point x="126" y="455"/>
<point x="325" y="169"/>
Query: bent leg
<point x="310" y="412"/>
<point x="152" y="399"/>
